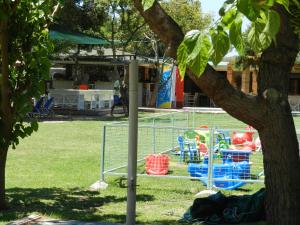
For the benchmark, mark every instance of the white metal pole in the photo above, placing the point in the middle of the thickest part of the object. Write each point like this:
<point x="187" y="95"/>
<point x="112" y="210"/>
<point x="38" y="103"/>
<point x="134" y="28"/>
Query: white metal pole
<point x="210" y="159"/>
<point x="132" y="142"/>
<point x="153" y="135"/>
<point x="102" y="160"/>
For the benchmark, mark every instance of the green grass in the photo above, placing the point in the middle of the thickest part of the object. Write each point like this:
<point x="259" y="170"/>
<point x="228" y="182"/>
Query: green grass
<point x="49" y="174"/>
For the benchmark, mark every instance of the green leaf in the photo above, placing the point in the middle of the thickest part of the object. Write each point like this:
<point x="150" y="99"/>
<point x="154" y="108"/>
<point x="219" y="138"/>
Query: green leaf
<point x="272" y="25"/>
<point x="270" y="3"/>
<point x="247" y="8"/>
<point x="35" y="125"/>
<point x="263" y="4"/>
<point x="182" y="59"/>
<point x="28" y="130"/>
<point x="253" y="36"/>
<point x="297" y="3"/>
<point x="284" y="3"/>
<point x="221" y="45"/>
<point x="235" y="35"/>
<point x="229" y="16"/>
<point x="265" y="40"/>
<point x="198" y="60"/>
<point x="222" y="11"/>
<point x="147" y="4"/>
<point x="229" y="1"/>
<point x="193" y="52"/>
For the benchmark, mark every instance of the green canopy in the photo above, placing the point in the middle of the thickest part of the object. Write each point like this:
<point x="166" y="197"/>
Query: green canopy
<point x="76" y="38"/>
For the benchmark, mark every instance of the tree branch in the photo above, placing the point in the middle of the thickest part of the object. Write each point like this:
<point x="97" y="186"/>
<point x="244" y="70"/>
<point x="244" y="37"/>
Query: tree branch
<point x="211" y="82"/>
<point x="133" y="33"/>
<point x="16" y="3"/>
<point x="163" y="25"/>
<point x="55" y="10"/>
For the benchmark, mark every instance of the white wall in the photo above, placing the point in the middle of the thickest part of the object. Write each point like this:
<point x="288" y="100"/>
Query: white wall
<point x="62" y="84"/>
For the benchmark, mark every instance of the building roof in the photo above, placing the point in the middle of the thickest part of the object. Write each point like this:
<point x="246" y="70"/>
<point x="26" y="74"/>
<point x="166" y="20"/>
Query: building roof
<point x="76" y="38"/>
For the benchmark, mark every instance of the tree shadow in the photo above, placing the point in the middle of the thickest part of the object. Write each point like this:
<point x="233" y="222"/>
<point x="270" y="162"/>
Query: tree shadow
<point x="67" y="204"/>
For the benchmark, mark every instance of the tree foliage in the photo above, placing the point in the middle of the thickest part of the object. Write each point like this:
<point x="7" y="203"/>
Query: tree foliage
<point x="28" y="62"/>
<point x="78" y="15"/>
<point x="265" y="23"/>
<point x="188" y="14"/>
<point x="24" y="48"/>
<point x="119" y="22"/>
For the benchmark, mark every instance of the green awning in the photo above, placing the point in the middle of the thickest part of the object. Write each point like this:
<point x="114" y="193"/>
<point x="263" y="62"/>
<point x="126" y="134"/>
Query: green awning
<point x="76" y="38"/>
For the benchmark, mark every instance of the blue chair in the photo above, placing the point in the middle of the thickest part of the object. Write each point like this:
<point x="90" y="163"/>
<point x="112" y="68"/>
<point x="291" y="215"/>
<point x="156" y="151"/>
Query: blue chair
<point x="37" y="108"/>
<point x="223" y="135"/>
<point x="42" y="109"/>
<point x="46" y="110"/>
<point x="187" y="147"/>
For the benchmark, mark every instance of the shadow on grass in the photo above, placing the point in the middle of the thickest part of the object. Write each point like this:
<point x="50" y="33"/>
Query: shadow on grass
<point x="66" y="204"/>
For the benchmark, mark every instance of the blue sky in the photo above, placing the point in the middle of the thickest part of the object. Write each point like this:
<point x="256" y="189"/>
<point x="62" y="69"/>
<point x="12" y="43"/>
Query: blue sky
<point x="211" y="6"/>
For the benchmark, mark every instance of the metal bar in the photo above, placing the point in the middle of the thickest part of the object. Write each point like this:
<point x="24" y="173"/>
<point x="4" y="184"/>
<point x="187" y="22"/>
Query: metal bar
<point x="153" y="136"/>
<point x="144" y="118"/>
<point x="240" y="180"/>
<point x="150" y="126"/>
<point x="102" y="155"/>
<point x="187" y="119"/>
<point x="132" y="142"/>
<point x="193" y="119"/>
<point x="162" y="176"/>
<point x="173" y="123"/>
<point x="210" y="159"/>
<point x="187" y="177"/>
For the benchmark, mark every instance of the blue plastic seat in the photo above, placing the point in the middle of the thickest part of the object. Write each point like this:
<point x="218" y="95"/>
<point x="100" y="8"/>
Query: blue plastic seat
<point x="42" y="108"/>
<point x="187" y="147"/>
<point x="47" y="108"/>
<point x="37" y="108"/>
<point x="229" y="171"/>
<point x="223" y="135"/>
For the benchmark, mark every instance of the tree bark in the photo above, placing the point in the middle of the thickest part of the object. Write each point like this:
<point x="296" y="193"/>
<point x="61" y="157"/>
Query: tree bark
<point x="5" y="108"/>
<point x="3" y="156"/>
<point x="278" y="136"/>
<point x="269" y="112"/>
<point x="280" y="147"/>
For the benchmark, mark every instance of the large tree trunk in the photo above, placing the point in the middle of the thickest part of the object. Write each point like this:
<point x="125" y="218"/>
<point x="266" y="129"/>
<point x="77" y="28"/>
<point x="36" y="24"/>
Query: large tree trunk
<point x="3" y="156"/>
<point x="278" y="136"/>
<point x="269" y="112"/>
<point x="282" y="167"/>
<point x="5" y="108"/>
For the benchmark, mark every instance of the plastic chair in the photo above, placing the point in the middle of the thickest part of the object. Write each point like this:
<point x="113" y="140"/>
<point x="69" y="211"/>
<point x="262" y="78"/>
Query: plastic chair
<point x="37" y="108"/>
<point x="223" y="135"/>
<point x="187" y="147"/>
<point x="42" y="110"/>
<point x="46" y="110"/>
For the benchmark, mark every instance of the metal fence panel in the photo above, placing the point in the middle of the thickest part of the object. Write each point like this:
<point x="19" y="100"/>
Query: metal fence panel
<point x="159" y="148"/>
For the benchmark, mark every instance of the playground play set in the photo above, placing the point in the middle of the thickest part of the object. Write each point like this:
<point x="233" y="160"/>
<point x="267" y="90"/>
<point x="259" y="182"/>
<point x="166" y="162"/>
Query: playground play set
<point x="233" y="151"/>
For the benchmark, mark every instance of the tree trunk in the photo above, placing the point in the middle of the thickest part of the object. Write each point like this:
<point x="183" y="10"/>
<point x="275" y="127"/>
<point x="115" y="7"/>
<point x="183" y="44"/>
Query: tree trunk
<point x="3" y="156"/>
<point x="282" y="167"/>
<point x="154" y="93"/>
<point x="113" y="47"/>
<point x="278" y="136"/>
<point x="5" y="107"/>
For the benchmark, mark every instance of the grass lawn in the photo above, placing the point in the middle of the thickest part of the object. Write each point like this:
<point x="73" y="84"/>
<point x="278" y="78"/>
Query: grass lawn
<point x="49" y="174"/>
